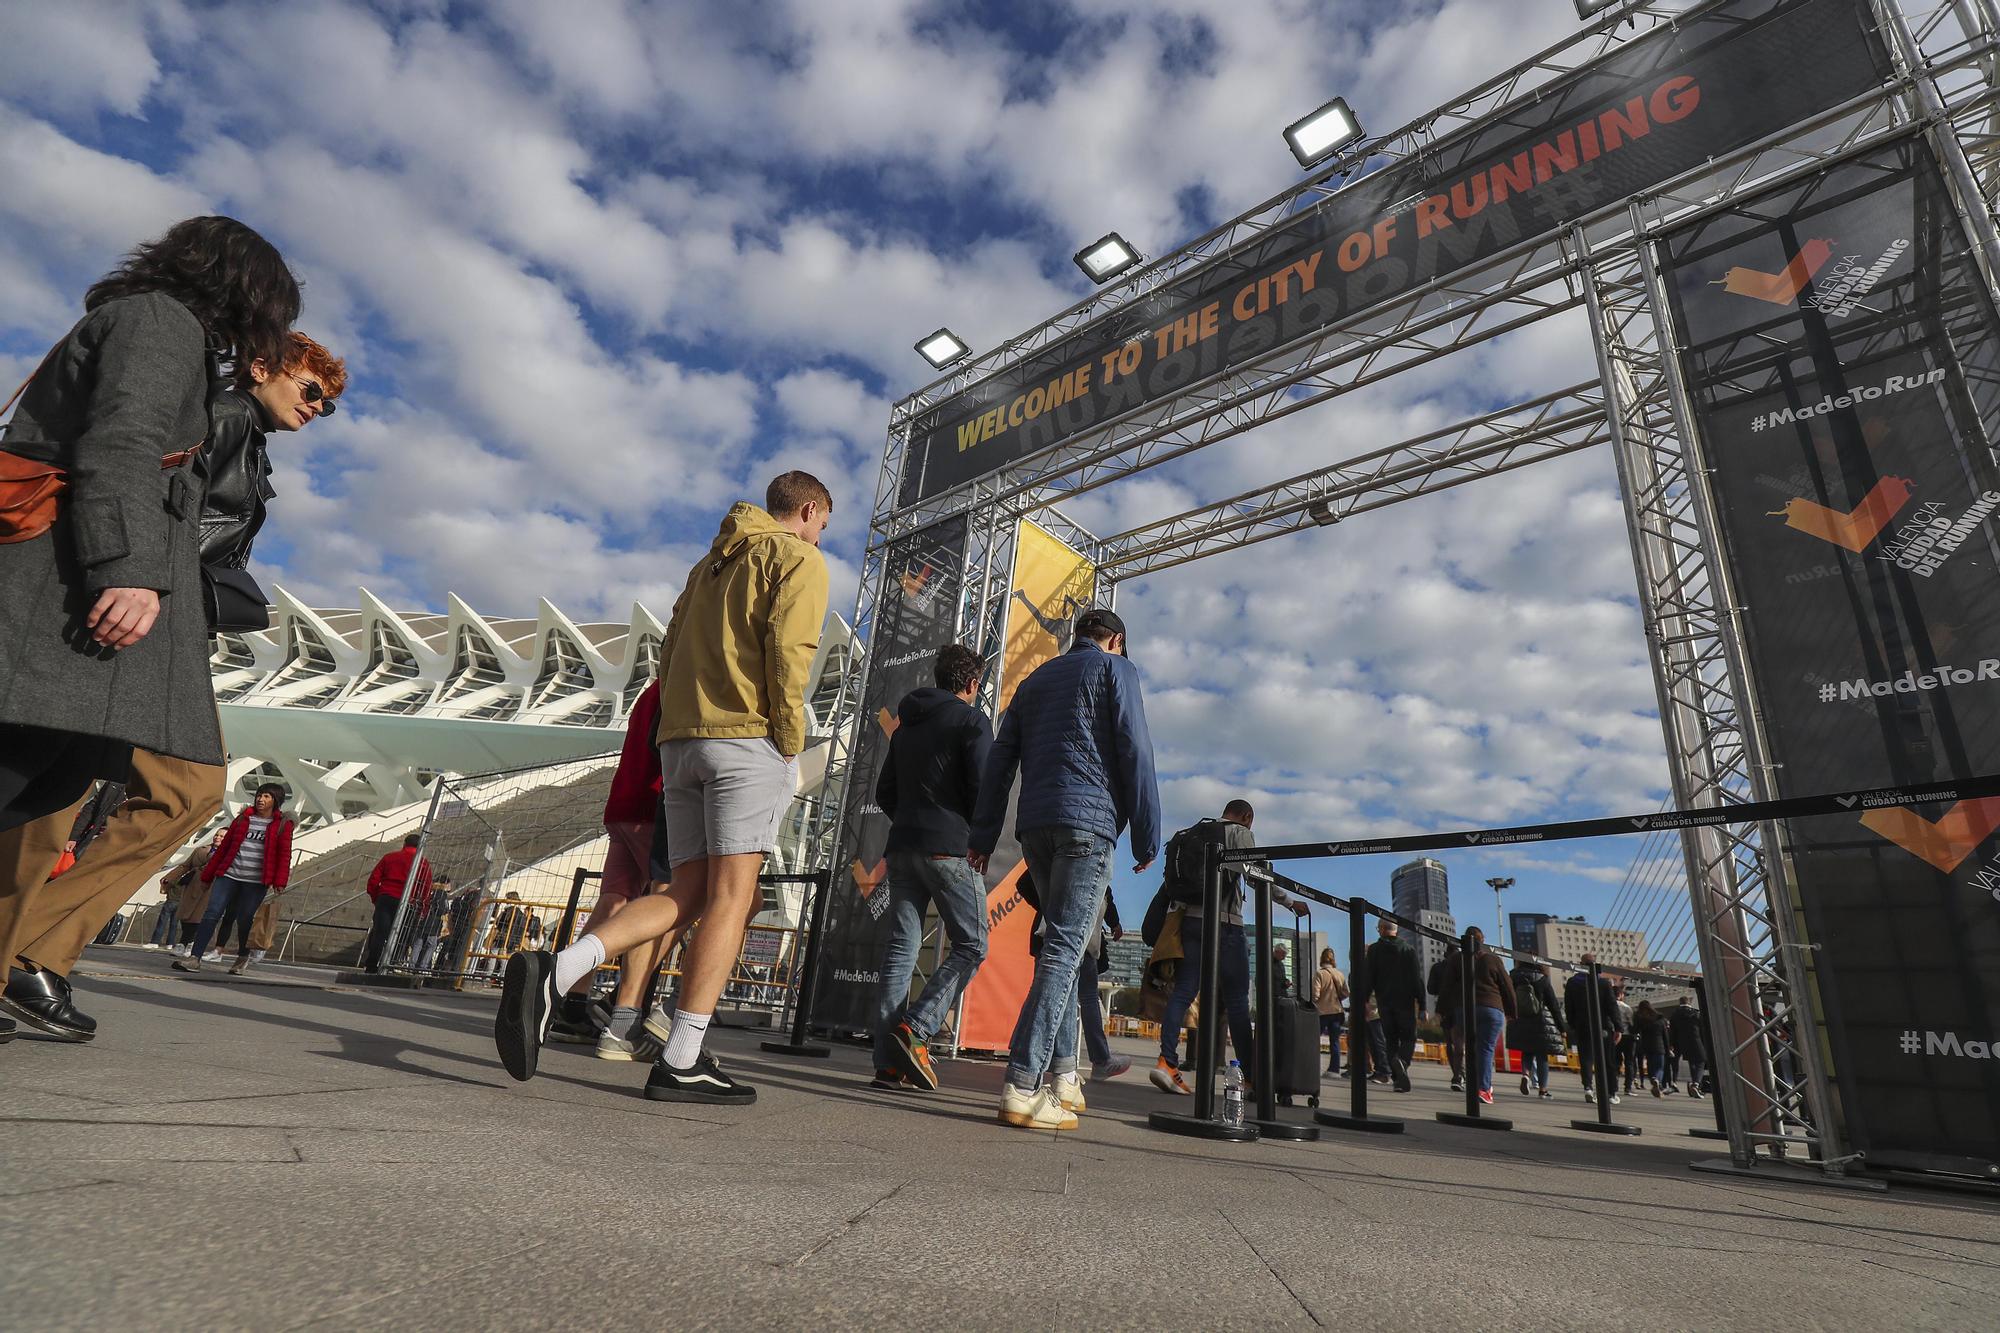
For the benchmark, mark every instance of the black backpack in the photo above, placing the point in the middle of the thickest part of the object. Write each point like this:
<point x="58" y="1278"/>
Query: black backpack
<point x="1185" y="851"/>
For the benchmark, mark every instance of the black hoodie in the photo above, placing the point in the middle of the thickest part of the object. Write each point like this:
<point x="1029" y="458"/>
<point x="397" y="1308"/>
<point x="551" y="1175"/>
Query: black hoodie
<point x="930" y="781"/>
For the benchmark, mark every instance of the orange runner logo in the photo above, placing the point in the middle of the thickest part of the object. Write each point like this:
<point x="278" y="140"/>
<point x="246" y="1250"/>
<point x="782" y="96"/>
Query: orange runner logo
<point x="868" y="880"/>
<point x="1854" y="530"/>
<point x="1947" y="842"/>
<point x="1784" y="286"/>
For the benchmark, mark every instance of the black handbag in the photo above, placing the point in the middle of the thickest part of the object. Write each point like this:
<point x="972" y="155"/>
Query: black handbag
<point x="233" y="601"/>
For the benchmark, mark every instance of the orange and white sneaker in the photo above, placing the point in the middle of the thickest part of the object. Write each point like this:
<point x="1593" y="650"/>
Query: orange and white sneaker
<point x="1168" y="1079"/>
<point x="1033" y="1110"/>
<point x="913" y="1058"/>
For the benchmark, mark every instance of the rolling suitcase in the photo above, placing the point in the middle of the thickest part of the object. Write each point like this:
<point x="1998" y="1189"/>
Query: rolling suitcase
<point x="1296" y="1024"/>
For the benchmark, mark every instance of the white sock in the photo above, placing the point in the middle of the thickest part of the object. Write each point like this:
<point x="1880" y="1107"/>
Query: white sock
<point x="685" y="1038"/>
<point x="577" y="962"/>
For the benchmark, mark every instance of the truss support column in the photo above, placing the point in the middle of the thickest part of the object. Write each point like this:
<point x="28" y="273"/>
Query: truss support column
<point x="1927" y="106"/>
<point x="1697" y="712"/>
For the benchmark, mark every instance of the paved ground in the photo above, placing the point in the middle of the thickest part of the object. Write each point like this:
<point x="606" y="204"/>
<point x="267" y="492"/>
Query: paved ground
<point x="275" y="1155"/>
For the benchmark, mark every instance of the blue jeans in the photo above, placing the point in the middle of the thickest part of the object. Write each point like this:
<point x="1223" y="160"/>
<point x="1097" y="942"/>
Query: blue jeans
<point x="1492" y="1022"/>
<point x="1235" y="989"/>
<point x="163" y="927"/>
<point x="1330" y="1027"/>
<point x="959" y="892"/>
<point x="234" y="898"/>
<point x="1536" y="1066"/>
<point x="1072" y="867"/>
<point x="1095" y="1044"/>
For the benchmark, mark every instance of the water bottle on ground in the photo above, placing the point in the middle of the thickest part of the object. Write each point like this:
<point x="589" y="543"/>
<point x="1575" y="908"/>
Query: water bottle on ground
<point x="1232" y="1095"/>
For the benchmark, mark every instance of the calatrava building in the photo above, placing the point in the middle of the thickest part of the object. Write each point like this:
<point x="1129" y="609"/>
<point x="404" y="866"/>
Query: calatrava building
<point x="356" y="711"/>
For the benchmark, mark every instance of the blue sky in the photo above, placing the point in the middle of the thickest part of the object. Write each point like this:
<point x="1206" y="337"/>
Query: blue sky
<point x="600" y="267"/>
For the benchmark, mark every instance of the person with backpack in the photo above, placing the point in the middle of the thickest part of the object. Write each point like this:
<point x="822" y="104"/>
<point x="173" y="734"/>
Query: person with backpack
<point x="1446" y="1008"/>
<point x="1690" y="1044"/>
<point x="1186" y="855"/>
<point x="928" y="788"/>
<point x="1076" y="733"/>
<point x="1537" y="1028"/>
<point x="1492" y="1007"/>
<point x="1330" y="998"/>
<point x="1649" y="1042"/>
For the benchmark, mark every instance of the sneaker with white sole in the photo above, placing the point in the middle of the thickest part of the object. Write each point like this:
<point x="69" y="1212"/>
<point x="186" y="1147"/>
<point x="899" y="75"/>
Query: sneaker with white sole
<point x="1168" y="1079"/>
<point x="1033" y="1110"/>
<point x="1526" y="1086"/>
<point x="527" y="1003"/>
<point x="1069" y="1091"/>
<point x="703" y="1081"/>
<point x="639" y="1046"/>
<point x="1111" y="1068"/>
<point x="659" y="1024"/>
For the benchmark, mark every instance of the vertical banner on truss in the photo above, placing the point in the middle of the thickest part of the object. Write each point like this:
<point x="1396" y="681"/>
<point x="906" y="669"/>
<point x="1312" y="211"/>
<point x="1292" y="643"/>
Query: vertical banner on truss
<point x="915" y="611"/>
<point x="1839" y="345"/>
<point x="1051" y="582"/>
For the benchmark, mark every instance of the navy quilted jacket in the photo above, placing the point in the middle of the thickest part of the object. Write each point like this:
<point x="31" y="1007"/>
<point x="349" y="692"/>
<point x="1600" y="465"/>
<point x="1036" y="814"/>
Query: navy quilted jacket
<point x="1076" y="732"/>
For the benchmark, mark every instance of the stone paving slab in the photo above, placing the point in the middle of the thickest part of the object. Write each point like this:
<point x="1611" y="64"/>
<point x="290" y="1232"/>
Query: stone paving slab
<point x="239" y="1155"/>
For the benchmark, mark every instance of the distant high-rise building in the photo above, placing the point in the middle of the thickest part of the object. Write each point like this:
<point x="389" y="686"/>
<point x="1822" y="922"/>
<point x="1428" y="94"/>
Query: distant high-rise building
<point x="1419" y="887"/>
<point x="1568" y="940"/>
<point x="1522" y="936"/>
<point x="1128" y="961"/>
<point x="1430" y="951"/>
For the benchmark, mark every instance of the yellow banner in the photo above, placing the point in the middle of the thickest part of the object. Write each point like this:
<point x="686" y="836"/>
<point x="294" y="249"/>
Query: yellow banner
<point x="1053" y="583"/>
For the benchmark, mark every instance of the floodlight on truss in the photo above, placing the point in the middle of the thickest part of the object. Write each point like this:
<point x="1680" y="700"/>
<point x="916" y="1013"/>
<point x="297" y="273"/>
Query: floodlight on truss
<point x="942" y="348"/>
<point x="1107" y="257"/>
<point x="1314" y="138"/>
<point x="1590" y="9"/>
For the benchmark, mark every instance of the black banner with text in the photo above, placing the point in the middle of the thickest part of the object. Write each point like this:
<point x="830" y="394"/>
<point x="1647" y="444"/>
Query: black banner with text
<point x="1656" y="108"/>
<point x="914" y="616"/>
<point x="1840" y="348"/>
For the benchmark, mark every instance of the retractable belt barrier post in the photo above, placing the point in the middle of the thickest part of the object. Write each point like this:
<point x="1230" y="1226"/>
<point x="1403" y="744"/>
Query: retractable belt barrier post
<point x="1468" y="1027"/>
<point x="1601" y="1056"/>
<point x="1267" y="1122"/>
<point x="820" y="882"/>
<point x="1721" y="1130"/>
<point x="1204" y="1123"/>
<point x="1356" y="1116"/>
<point x="566" y="928"/>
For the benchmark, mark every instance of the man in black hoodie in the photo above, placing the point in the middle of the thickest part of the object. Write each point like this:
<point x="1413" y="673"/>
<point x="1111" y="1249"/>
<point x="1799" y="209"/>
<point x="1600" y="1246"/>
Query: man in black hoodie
<point x="928" y="789"/>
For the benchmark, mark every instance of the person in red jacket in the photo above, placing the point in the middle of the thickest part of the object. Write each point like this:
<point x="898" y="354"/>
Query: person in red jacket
<point x="255" y="858"/>
<point x="637" y="847"/>
<point x="385" y="890"/>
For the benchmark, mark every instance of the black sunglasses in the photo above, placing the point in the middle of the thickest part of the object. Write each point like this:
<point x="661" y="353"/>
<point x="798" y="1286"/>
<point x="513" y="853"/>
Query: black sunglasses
<point x="312" y="393"/>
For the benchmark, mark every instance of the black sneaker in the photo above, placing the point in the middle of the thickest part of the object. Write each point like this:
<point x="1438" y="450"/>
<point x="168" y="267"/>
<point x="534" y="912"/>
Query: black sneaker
<point x="705" y="1082"/>
<point x="527" y="1002"/>
<point x="6" y="1030"/>
<point x="573" y="1032"/>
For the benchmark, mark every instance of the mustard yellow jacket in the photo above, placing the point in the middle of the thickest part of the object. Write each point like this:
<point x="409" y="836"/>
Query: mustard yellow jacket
<point x="743" y="634"/>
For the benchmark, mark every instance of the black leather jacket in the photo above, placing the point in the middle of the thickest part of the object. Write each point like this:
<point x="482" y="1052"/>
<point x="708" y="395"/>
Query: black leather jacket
<point x="238" y="473"/>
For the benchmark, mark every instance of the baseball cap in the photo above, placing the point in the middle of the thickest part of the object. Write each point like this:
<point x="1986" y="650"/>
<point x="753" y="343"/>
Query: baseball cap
<point x="1100" y="619"/>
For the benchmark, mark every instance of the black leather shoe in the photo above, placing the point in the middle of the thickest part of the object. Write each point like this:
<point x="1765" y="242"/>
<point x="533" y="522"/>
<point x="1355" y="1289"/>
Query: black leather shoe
<point x="6" y="1030"/>
<point x="41" y="1000"/>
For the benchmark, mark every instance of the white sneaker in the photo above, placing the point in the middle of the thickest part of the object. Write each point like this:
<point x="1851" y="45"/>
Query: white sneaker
<point x="149" y="946"/>
<point x="1033" y="1110"/>
<point x="1111" y="1068"/>
<point x="212" y="956"/>
<point x="1069" y="1091"/>
<point x="1590" y="1095"/>
<point x="1614" y="1099"/>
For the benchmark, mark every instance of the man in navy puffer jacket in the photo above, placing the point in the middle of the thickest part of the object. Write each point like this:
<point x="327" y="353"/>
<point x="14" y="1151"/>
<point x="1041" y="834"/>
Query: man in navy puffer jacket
<point x="1076" y="732"/>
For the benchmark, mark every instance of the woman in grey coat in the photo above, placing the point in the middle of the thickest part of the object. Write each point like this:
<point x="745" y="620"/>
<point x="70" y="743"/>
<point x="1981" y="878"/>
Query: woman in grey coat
<point x="103" y="631"/>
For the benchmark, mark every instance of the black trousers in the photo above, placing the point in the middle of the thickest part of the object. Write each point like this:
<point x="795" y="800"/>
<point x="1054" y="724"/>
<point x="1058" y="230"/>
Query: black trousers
<point x="378" y="934"/>
<point x="1399" y="1030"/>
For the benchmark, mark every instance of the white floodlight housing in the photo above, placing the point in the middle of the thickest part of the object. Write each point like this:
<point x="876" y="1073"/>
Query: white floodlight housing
<point x="1107" y="257"/>
<point x="1314" y="138"/>
<point x="942" y="348"/>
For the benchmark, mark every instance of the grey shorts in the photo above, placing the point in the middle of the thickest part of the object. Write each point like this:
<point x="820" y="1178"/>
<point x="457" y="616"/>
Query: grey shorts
<point x="723" y="797"/>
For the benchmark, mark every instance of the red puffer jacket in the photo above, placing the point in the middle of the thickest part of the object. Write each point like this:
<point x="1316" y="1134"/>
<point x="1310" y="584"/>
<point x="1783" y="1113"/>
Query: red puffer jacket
<point x="277" y="850"/>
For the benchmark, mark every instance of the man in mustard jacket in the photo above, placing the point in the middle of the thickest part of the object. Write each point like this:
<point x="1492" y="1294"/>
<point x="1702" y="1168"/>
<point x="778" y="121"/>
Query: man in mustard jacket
<point x="733" y="675"/>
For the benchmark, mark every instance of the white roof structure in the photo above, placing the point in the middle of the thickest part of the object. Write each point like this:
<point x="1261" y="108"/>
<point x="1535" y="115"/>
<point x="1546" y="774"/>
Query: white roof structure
<point x="356" y="711"/>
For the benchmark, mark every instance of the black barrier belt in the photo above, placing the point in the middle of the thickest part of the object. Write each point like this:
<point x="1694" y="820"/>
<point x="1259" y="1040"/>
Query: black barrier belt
<point x="1292" y="886"/>
<point x="1749" y="812"/>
